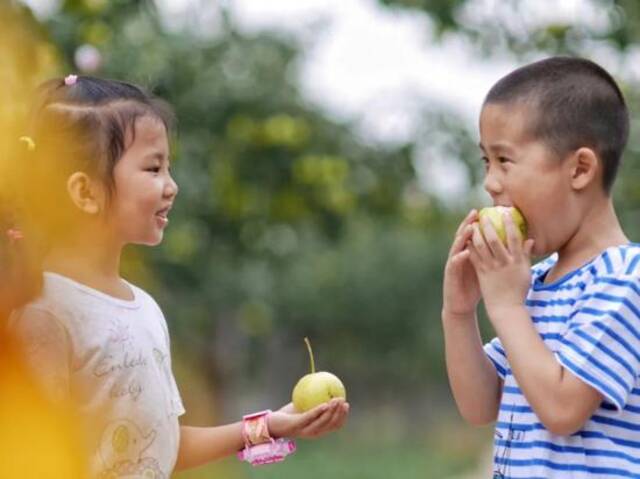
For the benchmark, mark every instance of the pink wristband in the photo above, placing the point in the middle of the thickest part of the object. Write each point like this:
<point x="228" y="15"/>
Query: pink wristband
<point x="260" y="448"/>
<point x="268" y="453"/>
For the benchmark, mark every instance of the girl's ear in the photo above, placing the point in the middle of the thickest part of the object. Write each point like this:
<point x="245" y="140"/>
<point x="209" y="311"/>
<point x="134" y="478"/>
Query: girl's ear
<point x="85" y="193"/>
<point x="584" y="168"/>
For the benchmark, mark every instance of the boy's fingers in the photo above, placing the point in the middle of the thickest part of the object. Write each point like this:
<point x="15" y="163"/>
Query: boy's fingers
<point x="528" y="247"/>
<point x="492" y="240"/>
<point x="474" y="257"/>
<point x="460" y="240"/>
<point x="470" y="218"/>
<point x="462" y="230"/>
<point x="479" y="244"/>
<point x="460" y="257"/>
<point x="514" y="241"/>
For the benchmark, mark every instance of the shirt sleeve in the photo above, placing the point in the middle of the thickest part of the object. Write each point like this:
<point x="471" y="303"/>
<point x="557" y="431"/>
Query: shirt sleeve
<point x="602" y="343"/>
<point x="46" y="348"/>
<point x="495" y="352"/>
<point x="176" y="400"/>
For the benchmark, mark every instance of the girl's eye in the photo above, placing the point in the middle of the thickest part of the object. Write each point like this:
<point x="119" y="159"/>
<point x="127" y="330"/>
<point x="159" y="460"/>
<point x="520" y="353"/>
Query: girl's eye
<point x="154" y="169"/>
<point x="503" y="160"/>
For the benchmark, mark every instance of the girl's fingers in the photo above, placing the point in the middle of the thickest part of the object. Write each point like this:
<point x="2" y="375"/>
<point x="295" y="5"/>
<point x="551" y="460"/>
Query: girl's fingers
<point x="332" y="419"/>
<point x="320" y="424"/>
<point x="313" y="414"/>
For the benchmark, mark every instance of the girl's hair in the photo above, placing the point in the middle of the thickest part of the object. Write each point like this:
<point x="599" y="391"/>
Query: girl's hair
<point x="85" y="124"/>
<point x="21" y="277"/>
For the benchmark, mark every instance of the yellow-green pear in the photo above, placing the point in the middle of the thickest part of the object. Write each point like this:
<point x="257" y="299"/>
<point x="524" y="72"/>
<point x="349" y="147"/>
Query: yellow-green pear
<point x="316" y="388"/>
<point x="494" y="214"/>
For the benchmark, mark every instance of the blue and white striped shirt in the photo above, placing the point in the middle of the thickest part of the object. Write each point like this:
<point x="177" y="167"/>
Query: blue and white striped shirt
<point x="590" y="319"/>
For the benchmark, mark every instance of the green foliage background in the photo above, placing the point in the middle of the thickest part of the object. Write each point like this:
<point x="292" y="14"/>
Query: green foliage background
<point x="289" y="224"/>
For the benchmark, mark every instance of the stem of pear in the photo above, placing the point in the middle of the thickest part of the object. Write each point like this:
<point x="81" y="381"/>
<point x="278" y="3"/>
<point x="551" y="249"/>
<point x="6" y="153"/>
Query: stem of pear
<point x="313" y="363"/>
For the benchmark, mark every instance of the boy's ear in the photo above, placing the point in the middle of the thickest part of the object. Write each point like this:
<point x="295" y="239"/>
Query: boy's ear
<point x="85" y="193"/>
<point x="584" y="168"/>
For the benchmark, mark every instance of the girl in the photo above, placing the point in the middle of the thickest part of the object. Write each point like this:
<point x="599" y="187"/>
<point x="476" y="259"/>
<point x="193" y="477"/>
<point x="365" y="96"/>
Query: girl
<point x="99" y="179"/>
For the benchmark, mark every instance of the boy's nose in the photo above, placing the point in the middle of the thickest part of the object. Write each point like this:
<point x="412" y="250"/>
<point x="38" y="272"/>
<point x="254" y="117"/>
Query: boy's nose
<point x="492" y="184"/>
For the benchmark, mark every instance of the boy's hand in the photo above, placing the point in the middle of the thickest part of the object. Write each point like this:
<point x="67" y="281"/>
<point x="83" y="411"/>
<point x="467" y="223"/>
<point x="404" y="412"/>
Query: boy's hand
<point x="504" y="272"/>
<point x="322" y="419"/>
<point x="460" y="290"/>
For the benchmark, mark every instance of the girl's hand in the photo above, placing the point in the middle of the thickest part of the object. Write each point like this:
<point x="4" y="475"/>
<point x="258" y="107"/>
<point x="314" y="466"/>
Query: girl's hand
<point x="322" y="419"/>
<point x="504" y="272"/>
<point x="460" y="290"/>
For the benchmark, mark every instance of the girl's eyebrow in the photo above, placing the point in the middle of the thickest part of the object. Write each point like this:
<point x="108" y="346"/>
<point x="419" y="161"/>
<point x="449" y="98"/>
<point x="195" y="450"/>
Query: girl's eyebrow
<point x="156" y="155"/>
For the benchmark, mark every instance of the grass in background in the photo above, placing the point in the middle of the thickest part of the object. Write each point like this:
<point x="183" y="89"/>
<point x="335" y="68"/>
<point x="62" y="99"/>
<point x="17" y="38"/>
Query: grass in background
<point x="348" y="457"/>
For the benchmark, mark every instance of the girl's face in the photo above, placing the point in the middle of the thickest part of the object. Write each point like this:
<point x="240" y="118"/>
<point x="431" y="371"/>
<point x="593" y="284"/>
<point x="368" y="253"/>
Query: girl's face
<point x="144" y="189"/>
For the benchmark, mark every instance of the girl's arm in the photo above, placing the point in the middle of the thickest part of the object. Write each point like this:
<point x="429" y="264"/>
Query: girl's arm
<point x="474" y="381"/>
<point x="200" y="445"/>
<point x="45" y="345"/>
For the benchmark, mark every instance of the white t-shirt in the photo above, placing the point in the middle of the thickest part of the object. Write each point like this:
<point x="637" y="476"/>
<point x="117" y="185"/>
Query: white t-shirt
<point x="111" y="357"/>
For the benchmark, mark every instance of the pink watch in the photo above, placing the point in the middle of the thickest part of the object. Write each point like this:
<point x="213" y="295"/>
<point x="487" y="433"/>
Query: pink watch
<point x="260" y="448"/>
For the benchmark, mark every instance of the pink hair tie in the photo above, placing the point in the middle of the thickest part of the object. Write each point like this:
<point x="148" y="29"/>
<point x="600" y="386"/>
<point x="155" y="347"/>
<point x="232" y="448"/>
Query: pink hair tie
<point x="70" y="80"/>
<point x="14" y="235"/>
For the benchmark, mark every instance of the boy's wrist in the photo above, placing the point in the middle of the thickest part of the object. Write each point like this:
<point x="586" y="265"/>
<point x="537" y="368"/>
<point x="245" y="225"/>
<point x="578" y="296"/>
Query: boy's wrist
<point x="501" y="315"/>
<point x="465" y="316"/>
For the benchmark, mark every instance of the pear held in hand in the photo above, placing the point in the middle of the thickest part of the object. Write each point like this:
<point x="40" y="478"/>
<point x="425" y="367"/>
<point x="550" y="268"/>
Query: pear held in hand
<point x="316" y="388"/>
<point x="494" y="214"/>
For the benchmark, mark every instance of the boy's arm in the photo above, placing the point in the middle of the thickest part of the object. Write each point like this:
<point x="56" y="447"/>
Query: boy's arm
<point x="562" y="401"/>
<point x="474" y="381"/>
<point x="200" y="445"/>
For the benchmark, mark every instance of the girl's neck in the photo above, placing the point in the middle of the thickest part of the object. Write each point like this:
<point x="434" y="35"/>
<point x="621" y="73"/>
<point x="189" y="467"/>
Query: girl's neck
<point x="93" y="263"/>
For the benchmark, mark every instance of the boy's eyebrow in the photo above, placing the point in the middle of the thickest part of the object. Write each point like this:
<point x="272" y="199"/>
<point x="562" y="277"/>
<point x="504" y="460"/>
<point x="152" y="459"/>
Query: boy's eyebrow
<point x="497" y="148"/>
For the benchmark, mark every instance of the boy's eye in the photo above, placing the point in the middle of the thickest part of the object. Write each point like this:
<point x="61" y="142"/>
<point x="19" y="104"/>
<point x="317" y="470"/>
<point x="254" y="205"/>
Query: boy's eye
<point x="154" y="169"/>
<point x="502" y="159"/>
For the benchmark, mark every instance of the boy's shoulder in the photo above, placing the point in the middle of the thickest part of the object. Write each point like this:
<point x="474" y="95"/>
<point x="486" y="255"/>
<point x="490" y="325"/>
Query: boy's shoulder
<point x="617" y="261"/>
<point x="622" y="262"/>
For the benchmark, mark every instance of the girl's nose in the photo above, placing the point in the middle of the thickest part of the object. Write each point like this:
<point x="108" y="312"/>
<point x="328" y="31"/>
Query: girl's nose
<point x="171" y="188"/>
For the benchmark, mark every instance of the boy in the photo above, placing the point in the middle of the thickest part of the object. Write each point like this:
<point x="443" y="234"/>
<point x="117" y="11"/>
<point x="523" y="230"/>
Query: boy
<point x="561" y="377"/>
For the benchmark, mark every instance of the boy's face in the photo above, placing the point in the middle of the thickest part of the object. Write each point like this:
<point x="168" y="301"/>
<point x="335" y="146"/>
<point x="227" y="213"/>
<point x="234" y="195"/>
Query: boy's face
<point x="523" y="172"/>
<point x="144" y="189"/>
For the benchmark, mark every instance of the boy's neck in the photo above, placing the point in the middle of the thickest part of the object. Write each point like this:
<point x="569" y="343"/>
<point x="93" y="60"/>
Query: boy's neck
<point x="92" y="263"/>
<point x="598" y="230"/>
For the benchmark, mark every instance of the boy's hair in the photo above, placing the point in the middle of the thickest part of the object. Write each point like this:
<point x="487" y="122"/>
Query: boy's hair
<point x="82" y="125"/>
<point x="575" y="103"/>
